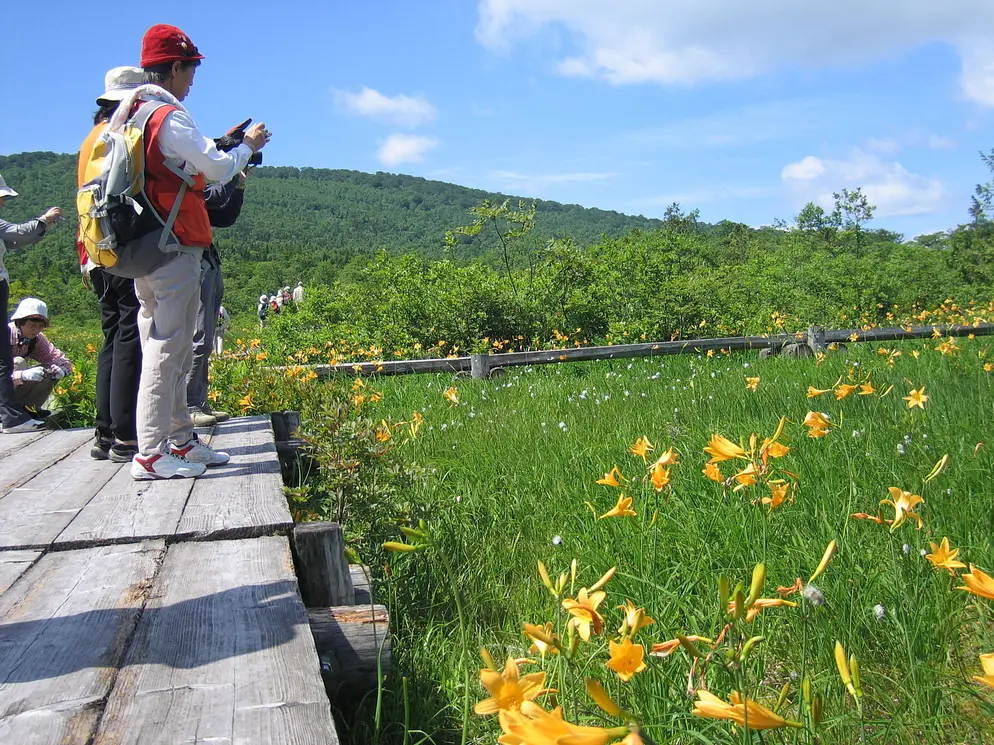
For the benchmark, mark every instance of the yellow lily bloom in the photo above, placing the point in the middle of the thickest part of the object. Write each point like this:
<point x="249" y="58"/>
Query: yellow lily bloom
<point x="747" y="476"/>
<point x="944" y="557"/>
<point x="762" y="603"/>
<point x="622" y="509"/>
<point x="904" y="503"/>
<point x="713" y="472"/>
<point x="816" y="420"/>
<point x="584" y="613"/>
<point x="544" y="640"/>
<point x="978" y="583"/>
<point x="815" y="392"/>
<point x="866" y="389"/>
<point x="917" y="398"/>
<point x="721" y="449"/>
<point x="750" y="715"/>
<point x="641" y="447"/>
<point x="635" y="619"/>
<point x="843" y="390"/>
<point x="987" y="662"/>
<point x="669" y="458"/>
<point x="451" y="395"/>
<point x="627" y="659"/>
<point x="660" y="476"/>
<point x="816" y="432"/>
<point x="778" y="493"/>
<point x="600" y="697"/>
<point x="612" y="478"/>
<point x="752" y="383"/>
<point x="533" y="725"/>
<point x="774" y="449"/>
<point x="507" y="691"/>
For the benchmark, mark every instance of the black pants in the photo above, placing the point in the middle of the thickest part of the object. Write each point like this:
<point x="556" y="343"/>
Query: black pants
<point x="11" y="413"/>
<point x="120" y="362"/>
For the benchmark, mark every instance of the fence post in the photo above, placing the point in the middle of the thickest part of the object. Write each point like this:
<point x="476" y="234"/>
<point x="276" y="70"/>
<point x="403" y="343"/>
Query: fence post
<point x="816" y="338"/>
<point x="479" y="366"/>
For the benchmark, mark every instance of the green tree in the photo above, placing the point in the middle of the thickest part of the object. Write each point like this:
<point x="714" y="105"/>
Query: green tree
<point x="852" y="211"/>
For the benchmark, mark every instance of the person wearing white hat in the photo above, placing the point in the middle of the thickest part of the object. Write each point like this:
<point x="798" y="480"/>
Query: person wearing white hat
<point x="13" y="418"/>
<point x="298" y="293"/>
<point x="33" y="384"/>
<point x="262" y="308"/>
<point x="120" y="360"/>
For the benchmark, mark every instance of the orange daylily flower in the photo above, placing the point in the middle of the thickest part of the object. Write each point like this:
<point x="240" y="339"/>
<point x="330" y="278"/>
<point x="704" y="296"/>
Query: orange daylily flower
<point x="627" y="659"/>
<point x="665" y="649"/>
<point x="816" y="419"/>
<point x="544" y="640"/>
<point x="866" y="389"/>
<point x="778" y="493"/>
<point x="533" y="725"/>
<point x="584" y="613"/>
<point x="635" y="619"/>
<point x="641" y="447"/>
<point x="507" y="691"/>
<point x="747" y="476"/>
<point x="752" y="383"/>
<point x="761" y="604"/>
<point x="987" y="662"/>
<point x="622" y="509"/>
<point x="944" y="557"/>
<point x="451" y="395"/>
<point x="978" y="583"/>
<point x="814" y="392"/>
<point x="612" y="478"/>
<point x="904" y="504"/>
<point x="713" y="472"/>
<point x="669" y="458"/>
<point x="751" y="715"/>
<point x="721" y="449"/>
<point x="660" y="476"/>
<point x="843" y="390"/>
<point x="917" y="398"/>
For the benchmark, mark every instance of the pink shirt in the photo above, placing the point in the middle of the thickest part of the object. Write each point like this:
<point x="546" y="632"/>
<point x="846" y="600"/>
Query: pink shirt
<point x="44" y="352"/>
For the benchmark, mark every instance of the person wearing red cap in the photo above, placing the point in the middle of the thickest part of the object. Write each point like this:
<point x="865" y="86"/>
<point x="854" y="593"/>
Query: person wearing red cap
<point x="179" y="161"/>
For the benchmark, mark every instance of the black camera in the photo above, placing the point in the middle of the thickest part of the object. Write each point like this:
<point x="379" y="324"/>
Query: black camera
<point x="233" y="138"/>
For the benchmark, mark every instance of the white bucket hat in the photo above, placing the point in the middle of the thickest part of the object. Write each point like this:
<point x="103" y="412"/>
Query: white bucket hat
<point x="6" y="191"/>
<point x="263" y="298"/>
<point x="28" y="307"/>
<point x="119" y="82"/>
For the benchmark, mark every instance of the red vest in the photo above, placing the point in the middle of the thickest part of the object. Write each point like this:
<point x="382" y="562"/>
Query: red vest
<point x="192" y="227"/>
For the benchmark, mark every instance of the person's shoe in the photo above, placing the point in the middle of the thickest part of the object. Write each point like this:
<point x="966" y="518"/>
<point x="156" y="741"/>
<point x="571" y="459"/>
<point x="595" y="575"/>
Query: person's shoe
<point x="200" y="419"/>
<point x="221" y="416"/>
<point x="121" y="453"/>
<point x="37" y="412"/>
<point x="101" y="448"/>
<point x="31" y="425"/>
<point x="196" y="451"/>
<point x="164" y="466"/>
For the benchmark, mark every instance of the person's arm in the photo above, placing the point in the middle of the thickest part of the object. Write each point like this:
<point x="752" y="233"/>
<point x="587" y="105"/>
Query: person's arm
<point x="22" y="234"/>
<point x="50" y="356"/>
<point x="179" y="138"/>
<point x="225" y="215"/>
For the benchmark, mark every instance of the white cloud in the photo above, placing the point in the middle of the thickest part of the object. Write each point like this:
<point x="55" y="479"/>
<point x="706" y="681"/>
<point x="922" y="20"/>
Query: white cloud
<point x="401" y="110"/>
<point x="888" y="185"/>
<point x="938" y="142"/>
<point x="403" y="148"/>
<point x="534" y="183"/>
<point x="676" y="42"/>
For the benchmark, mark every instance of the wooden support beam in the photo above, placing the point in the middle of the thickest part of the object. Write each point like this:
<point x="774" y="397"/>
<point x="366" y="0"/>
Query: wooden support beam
<point x="816" y="339"/>
<point x="322" y="568"/>
<point x="349" y="639"/>
<point x="479" y="366"/>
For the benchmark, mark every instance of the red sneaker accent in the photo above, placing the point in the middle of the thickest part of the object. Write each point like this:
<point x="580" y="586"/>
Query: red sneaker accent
<point x="148" y="462"/>
<point x="182" y="451"/>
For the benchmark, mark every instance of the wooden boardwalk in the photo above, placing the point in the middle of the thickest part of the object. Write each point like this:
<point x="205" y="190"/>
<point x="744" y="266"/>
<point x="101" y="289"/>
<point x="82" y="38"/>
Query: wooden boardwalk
<point x="156" y="612"/>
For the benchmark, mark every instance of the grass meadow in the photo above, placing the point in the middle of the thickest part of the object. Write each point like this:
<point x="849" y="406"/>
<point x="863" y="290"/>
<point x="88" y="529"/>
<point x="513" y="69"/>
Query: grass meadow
<point x="512" y="466"/>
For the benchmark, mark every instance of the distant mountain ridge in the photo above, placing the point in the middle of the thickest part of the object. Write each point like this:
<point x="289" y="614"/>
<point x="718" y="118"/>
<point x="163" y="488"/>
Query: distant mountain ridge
<point x="306" y="223"/>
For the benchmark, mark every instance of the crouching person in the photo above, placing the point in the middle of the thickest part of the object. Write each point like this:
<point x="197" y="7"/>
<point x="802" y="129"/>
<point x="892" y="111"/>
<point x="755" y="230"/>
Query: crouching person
<point x="33" y="383"/>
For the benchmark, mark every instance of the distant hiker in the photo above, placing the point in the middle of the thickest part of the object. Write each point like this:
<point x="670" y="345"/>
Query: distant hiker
<point x="262" y="308"/>
<point x="298" y="292"/>
<point x="274" y="304"/>
<point x="285" y="296"/>
<point x="170" y="293"/>
<point x="33" y="384"/>
<point x="13" y="418"/>
<point x="119" y="363"/>
<point x="220" y="328"/>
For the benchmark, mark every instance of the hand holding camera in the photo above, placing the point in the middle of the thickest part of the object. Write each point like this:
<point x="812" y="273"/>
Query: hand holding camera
<point x="33" y="374"/>
<point x="55" y="373"/>
<point x="255" y="137"/>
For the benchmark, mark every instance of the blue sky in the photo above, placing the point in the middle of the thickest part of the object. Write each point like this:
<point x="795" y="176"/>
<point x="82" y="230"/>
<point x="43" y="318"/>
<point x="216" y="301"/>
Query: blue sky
<point x="743" y="110"/>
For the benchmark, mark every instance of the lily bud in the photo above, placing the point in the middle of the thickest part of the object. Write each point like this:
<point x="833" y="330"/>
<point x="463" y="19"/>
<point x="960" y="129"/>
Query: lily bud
<point x="854" y="669"/>
<point x="414" y="535"/>
<point x="600" y="697"/>
<point x="816" y="710"/>
<point x="782" y="699"/>
<point x="748" y="646"/>
<point x="739" y="601"/>
<point x="723" y="592"/>
<point x="756" y="588"/>
<point x="544" y="574"/>
<point x="806" y="690"/>
<point x="401" y="548"/>
<point x="688" y="646"/>
<point x="487" y="659"/>
<point x="829" y="552"/>
<point x="603" y="580"/>
<point x="561" y="583"/>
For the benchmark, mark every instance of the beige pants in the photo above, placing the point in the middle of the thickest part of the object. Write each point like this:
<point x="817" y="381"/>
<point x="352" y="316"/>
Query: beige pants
<point x="29" y="392"/>
<point x="169" y="299"/>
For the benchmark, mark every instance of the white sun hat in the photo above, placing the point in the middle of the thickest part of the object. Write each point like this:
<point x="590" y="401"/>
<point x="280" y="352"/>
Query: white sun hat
<point x="6" y="191"/>
<point x="119" y="82"/>
<point x="30" y="306"/>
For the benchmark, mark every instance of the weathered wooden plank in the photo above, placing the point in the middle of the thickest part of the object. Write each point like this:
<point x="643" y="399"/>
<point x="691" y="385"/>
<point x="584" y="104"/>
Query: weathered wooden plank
<point x="353" y="644"/>
<point x="33" y="515"/>
<point x="28" y="461"/>
<point x="13" y="564"/>
<point x="64" y="628"/>
<point x="125" y="511"/>
<point x="361" y="582"/>
<point x="245" y="497"/>
<point x="223" y="654"/>
<point x="12" y="443"/>
<point x="905" y="333"/>
<point x="395" y="367"/>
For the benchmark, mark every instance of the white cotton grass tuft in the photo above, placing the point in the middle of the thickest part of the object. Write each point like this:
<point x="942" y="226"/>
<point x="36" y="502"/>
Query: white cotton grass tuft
<point x="813" y="595"/>
<point x="879" y="612"/>
<point x="557" y="540"/>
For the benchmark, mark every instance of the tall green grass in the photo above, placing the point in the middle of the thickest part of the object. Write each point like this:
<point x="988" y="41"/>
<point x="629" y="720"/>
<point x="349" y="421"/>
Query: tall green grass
<point x="511" y="474"/>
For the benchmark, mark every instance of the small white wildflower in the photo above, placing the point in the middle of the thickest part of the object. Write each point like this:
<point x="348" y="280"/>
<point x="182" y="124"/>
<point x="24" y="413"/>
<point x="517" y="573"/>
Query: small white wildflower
<point x="949" y="492"/>
<point x="907" y="438"/>
<point x="879" y="612"/>
<point x="628" y="393"/>
<point x="745" y="364"/>
<point x="900" y="449"/>
<point x="906" y="549"/>
<point x="562" y="426"/>
<point x="458" y="498"/>
<point x="922" y="552"/>
<point x="813" y="595"/>
<point x="857" y="433"/>
<point x="557" y="540"/>
<point x="924" y="435"/>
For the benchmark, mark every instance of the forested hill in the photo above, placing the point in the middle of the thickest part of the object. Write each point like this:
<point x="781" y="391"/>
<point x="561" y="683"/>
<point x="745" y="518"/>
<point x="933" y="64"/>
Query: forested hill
<point x="297" y="223"/>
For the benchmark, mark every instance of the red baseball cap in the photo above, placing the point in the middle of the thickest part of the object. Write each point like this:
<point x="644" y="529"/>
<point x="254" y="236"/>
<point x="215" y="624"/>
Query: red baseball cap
<point x="163" y="44"/>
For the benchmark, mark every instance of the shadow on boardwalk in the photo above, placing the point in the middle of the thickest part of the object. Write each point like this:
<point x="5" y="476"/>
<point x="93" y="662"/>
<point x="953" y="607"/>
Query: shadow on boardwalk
<point x="187" y="634"/>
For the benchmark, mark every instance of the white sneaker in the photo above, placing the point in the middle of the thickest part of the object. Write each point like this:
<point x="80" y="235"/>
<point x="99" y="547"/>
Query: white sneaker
<point x="164" y="466"/>
<point x="196" y="451"/>
<point x="31" y="425"/>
